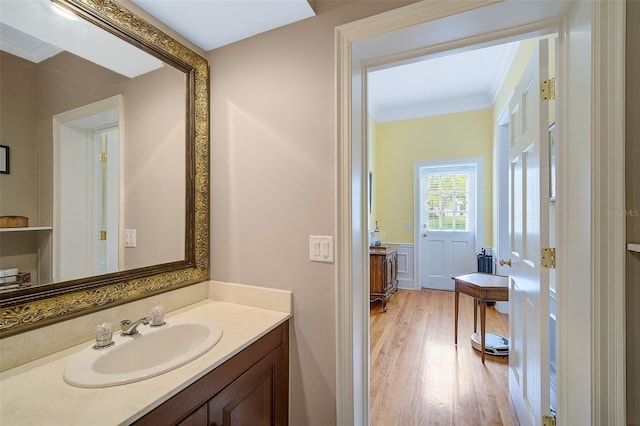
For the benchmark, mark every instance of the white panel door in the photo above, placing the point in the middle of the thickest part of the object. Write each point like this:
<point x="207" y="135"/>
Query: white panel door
<point x="448" y="237"/>
<point x="74" y="250"/>
<point x="106" y="200"/>
<point x="528" y="232"/>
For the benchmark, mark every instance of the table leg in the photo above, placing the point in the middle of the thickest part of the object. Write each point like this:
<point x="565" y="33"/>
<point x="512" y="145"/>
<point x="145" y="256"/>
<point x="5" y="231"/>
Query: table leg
<point x="483" y="318"/>
<point x="475" y="315"/>
<point x="457" y="299"/>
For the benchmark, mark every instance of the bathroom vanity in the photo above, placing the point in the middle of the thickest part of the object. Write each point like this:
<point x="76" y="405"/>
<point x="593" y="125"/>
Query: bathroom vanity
<point x="243" y="378"/>
<point x="250" y="388"/>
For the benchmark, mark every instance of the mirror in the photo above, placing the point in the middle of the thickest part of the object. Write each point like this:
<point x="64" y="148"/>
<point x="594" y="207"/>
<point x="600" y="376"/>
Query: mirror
<point x="146" y="115"/>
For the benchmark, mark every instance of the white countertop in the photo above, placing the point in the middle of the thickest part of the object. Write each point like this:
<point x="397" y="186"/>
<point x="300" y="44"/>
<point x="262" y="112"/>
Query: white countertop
<point x="36" y="394"/>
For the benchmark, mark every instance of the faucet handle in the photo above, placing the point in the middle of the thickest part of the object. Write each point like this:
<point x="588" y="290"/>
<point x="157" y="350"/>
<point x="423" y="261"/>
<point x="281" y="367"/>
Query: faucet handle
<point x="157" y="316"/>
<point x="103" y="333"/>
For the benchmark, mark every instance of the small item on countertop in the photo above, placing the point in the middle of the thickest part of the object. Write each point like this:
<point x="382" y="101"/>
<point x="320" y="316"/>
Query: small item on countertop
<point x="377" y="236"/>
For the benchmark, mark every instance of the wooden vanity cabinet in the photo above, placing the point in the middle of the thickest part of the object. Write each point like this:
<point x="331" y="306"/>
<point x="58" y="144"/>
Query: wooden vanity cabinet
<point x="383" y="273"/>
<point x="251" y="388"/>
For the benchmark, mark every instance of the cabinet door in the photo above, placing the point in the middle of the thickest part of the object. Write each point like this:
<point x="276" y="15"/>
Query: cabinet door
<point x="197" y="418"/>
<point x="394" y="270"/>
<point x="254" y="381"/>
<point x="389" y="272"/>
<point x="376" y="274"/>
<point x="251" y="398"/>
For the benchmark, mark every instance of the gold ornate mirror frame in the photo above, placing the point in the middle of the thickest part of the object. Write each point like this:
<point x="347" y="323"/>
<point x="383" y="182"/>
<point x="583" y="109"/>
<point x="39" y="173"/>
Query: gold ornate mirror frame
<point x="39" y="306"/>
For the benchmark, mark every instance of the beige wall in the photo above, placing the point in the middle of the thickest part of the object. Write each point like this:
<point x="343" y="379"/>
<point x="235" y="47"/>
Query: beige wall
<point x="633" y="206"/>
<point x="273" y="172"/>
<point x="155" y="160"/>
<point x="17" y="130"/>
<point x="399" y="144"/>
<point x="18" y="190"/>
<point x="154" y="156"/>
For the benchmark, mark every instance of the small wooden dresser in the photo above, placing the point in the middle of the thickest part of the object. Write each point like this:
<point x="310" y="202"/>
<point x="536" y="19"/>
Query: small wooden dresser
<point x="383" y="273"/>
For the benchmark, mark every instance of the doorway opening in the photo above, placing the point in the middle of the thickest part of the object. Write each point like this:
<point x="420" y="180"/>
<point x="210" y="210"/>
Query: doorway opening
<point x="595" y="390"/>
<point x="87" y="205"/>
<point x="449" y="214"/>
<point x="436" y="224"/>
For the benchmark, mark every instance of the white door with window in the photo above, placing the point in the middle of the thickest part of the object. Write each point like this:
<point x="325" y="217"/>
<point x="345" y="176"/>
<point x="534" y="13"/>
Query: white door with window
<point x="528" y="232"/>
<point x="448" y="217"/>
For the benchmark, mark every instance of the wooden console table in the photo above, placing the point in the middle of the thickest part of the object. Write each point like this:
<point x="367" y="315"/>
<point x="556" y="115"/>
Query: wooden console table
<point x="483" y="288"/>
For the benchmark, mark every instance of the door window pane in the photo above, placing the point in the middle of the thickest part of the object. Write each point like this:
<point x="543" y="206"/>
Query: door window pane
<point x="447" y="201"/>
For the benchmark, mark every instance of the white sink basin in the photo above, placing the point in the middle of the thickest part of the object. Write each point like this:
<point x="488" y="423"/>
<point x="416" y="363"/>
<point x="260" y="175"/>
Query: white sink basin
<point x="153" y="351"/>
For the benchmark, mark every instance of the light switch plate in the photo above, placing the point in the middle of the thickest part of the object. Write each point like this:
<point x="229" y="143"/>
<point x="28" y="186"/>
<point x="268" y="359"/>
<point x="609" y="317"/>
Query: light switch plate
<point x="321" y="248"/>
<point x="129" y="237"/>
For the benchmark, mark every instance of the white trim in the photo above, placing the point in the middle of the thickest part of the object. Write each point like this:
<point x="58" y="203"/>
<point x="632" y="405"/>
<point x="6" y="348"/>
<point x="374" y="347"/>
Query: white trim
<point x="406" y="278"/>
<point x="352" y="387"/>
<point x="352" y="364"/>
<point x="501" y="188"/>
<point x="608" y="181"/>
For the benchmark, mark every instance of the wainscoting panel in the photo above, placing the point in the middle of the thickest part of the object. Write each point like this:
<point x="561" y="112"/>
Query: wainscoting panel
<point x="405" y="266"/>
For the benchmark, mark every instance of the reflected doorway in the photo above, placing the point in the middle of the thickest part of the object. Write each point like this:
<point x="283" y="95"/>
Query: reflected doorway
<point x="87" y="190"/>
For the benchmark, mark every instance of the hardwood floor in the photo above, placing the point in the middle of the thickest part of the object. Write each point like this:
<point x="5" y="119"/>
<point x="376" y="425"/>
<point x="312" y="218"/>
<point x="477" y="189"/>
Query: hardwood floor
<point x="419" y="377"/>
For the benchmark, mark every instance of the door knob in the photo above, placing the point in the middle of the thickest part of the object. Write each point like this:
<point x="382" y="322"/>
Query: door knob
<point x="424" y="234"/>
<point x="505" y="262"/>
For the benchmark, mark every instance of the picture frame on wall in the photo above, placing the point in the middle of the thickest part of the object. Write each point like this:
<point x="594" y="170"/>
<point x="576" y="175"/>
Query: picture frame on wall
<point x="370" y="190"/>
<point x="4" y="159"/>
<point x="553" y="150"/>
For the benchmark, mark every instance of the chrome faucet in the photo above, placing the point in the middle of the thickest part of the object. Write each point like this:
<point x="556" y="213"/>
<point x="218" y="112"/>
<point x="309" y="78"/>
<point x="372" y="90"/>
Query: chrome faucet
<point x="129" y="329"/>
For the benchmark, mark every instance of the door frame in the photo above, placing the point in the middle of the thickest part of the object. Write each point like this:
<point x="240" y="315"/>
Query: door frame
<point x="501" y="187"/>
<point x="478" y="202"/>
<point x="604" y="381"/>
<point x="60" y="121"/>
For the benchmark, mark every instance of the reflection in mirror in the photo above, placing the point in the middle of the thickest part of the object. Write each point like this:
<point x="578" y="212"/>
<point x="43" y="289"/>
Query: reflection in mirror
<point x="97" y="131"/>
<point x="140" y="96"/>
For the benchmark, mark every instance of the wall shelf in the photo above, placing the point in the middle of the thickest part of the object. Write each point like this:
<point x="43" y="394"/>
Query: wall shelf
<point x="27" y="229"/>
<point x="633" y="247"/>
<point x="36" y="251"/>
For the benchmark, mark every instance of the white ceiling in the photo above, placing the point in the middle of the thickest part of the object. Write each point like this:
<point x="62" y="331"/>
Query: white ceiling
<point x="214" y="23"/>
<point x="25" y="24"/>
<point x="25" y="46"/>
<point x="442" y="85"/>
<point x="431" y="86"/>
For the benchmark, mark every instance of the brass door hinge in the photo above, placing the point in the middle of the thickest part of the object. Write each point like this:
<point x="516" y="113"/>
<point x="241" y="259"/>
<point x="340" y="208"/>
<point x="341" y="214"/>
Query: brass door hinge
<point x="548" y="420"/>
<point x="548" y="89"/>
<point x="102" y="236"/>
<point x="548" y="257"/>
<point x="103" y="157"/>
